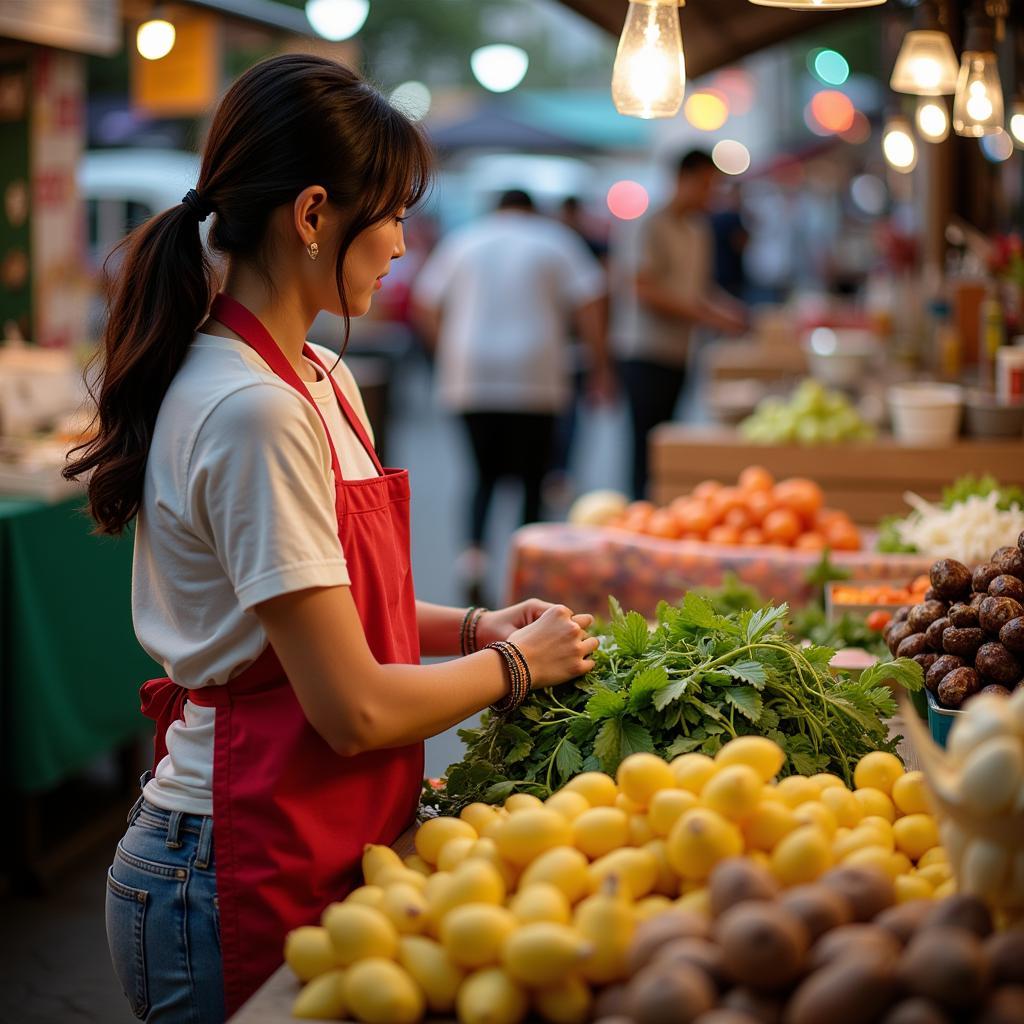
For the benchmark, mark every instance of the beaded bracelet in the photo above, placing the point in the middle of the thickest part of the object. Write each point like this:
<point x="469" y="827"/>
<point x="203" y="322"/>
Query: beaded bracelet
<point x="519" y="674"/>
<point x="468" y="629"/>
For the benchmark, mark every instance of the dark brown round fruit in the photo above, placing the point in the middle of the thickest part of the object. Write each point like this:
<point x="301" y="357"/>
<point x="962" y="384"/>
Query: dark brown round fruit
<point x="926" y="660"/>
<point x="933" y="634"/>
<point x="612" y="1001"/>
<point x="670" y="993"/>
<point x="848" y="992"/>
<point x="869" y="892"/>
<point x="915" y="1011"/>
<point x="764" y="945"/>
<point x="957" y="686"/>
<point x="940" y="670"/>
<point x="817" y="907"/>
<point x="950" y="578"/>
<point x="963" y="616"/>
<point x="1007" y="586"/>
<point x="931" y="594"/>
<point x="923" y="615"/>
<point x="995" y="662"/>
<point x="963" y="642"/>
<point x="993" y="689"/>
<point x="996" y="612"/>
<point x="1011" y="636"/>
<point x="655" y="932"/>
<point x="736" y="880"/>
<point x="1004" y="1006"/>
<point x="901" y="613"/>
<point x="1010" y="561"/>
<point x="914" y="645"/>
<point x="726" y="1016"/>
<point x="863" y="939"/>
<point x="961" y="911"/>
<point x="983" y="576"/>
<point x="898" y="634"/>
<point x="759" y="1005"/>
<point x="945" y="964"/>
<point x="1005" y="952"/>
<point x="701" y="953"/>
<point x="977" y="599"/>
<point x="904" y="919"/>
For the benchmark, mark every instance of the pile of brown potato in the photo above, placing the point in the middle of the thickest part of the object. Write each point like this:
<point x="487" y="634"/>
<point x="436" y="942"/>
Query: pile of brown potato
<point x="838" y="951"/>
<point x="968" y="633"/>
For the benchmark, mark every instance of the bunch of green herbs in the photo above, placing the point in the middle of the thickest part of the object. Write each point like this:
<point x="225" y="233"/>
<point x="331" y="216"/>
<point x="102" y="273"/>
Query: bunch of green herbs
<point x="696" y="680"/>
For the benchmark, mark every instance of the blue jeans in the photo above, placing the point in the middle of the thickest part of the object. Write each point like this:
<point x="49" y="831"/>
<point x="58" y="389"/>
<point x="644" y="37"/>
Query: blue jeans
<point x="162" y="917"/>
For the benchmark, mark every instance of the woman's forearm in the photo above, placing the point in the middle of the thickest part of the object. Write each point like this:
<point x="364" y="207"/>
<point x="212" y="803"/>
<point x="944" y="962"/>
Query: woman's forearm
<point x="439" y="628"/>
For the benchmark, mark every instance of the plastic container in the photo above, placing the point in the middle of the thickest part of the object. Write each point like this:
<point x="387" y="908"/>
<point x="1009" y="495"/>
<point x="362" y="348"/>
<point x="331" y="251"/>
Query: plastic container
<point x="940" y="719"/>
<point x="927" y="415"/>
<point x="988" y="416"/>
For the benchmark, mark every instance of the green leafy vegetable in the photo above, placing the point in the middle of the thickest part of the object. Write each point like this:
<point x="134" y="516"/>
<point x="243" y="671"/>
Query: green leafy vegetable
<point x="699" y="678"/>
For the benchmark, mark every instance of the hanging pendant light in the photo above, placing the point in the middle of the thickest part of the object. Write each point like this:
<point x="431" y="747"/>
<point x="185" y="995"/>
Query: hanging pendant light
<point x="898" y="144"/>
<point x="649" y="78"/>
<point x="978" y="108"/>
<point x="927" y="64"/>
<point x="932" y="119"/>
<point x="818" y="5"/>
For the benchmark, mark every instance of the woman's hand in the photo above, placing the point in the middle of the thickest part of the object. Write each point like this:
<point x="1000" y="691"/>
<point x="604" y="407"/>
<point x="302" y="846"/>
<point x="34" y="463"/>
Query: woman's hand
<point x="556" y="645"/>
<point x="501" y="624"/>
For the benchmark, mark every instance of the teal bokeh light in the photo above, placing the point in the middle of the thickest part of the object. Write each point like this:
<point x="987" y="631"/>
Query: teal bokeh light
<point x="829" y="66"/>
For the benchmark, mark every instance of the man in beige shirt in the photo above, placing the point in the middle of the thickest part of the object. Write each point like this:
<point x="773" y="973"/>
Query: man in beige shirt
<point x="673" y="292"/>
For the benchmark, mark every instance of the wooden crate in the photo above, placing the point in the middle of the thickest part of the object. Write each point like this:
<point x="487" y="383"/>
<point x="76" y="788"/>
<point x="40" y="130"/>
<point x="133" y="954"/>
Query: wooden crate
<point x="867" y="479"/>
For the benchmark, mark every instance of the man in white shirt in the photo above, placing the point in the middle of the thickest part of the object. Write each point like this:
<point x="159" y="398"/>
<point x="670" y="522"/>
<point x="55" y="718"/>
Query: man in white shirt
<point x="498" y="298"/>
<point x="671" y="293"/>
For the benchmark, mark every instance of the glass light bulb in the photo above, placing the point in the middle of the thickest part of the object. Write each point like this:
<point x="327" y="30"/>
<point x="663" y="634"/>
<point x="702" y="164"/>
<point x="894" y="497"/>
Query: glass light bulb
<point x="649" y="78"/>
<point x="978" y="109"/>
<point x="1017" y="123"/>
<point x="932" y="119"/>
<point x="926" y="65"/>
<point x="899" y="146"/>
<point x="499" y="67"/>
<point x="818" y="5"/>
<point x="155" y="39"/>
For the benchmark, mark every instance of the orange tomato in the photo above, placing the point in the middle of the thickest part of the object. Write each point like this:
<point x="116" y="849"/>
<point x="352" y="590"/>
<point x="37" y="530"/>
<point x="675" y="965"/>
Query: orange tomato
<point x="752" y="537"/>
<point x="878" y="620"/>
<point x="726" y="499"/>
<point x="756" y="478"/>
<point x="663" y="524"/>
<point x="724" y="535"/>
<point x="921" y="584"/>
<point x="810" y="542"/>
<point x="693" y="517"/>
<point x="782" y="526"/>
<point x="759" y="504"/>
<point x="804" y="497"/>
<point x="738" y="518"/>
<point x="843" y="537"/>
<point x="706" y="488"/>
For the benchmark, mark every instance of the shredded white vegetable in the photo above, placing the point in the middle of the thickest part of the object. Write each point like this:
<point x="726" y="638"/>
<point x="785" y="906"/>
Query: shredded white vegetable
<point x="969" y="531"/>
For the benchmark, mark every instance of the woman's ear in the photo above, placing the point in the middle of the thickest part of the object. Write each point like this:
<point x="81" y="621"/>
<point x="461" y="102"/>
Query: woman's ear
<point x="309" y="210"/>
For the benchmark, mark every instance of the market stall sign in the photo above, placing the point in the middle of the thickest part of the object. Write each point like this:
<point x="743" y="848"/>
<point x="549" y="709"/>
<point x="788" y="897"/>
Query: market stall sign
<point x="85" y="26"/>
<point x="185" y="82"/>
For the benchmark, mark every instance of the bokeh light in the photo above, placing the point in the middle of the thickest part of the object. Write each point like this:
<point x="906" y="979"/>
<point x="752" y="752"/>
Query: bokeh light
<point x="997" y="148"/>
<point x="155" y="39"/>
<point x="932" y="119"/>
<point x="830" y="67"/>
<point x="731" y="157"/>
<point x="499" y="67"/>
<point x="413" y="99"/>
<point x="628" y="200"/>
<point x="1017" y="128"/>
<point x="833" y="111"/>
<point x="738" y="88"/>
<point x="859" y="132"/>
<point x="337" y="19"/>
<point x="869" y="194"/>
<point x="707" y="110"/>
<point x="899" y="146"/>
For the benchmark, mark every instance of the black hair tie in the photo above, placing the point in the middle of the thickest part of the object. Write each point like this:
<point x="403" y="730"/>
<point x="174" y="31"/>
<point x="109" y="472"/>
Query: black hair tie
<point x="197" y="204"/>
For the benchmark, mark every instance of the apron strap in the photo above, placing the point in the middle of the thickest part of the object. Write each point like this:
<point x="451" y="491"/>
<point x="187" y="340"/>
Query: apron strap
<point x="233" y="315"/>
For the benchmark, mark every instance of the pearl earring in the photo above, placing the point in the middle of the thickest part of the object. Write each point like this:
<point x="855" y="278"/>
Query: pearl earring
<point x="314" y="251"/>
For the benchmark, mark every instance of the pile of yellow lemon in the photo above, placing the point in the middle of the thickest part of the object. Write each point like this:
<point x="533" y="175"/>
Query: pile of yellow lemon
<point x="532" y="905"/>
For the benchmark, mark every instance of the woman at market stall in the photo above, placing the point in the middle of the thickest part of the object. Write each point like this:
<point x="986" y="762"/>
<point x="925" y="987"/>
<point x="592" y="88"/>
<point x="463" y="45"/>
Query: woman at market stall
<point x="292" y="732"/>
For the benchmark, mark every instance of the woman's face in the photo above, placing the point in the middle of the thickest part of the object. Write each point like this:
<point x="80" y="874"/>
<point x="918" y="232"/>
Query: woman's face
<point x="368" y="260"/>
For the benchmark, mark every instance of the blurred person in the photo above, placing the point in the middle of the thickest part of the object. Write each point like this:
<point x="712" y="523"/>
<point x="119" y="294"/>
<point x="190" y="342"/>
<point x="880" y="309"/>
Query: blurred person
<point x="498" y="296"/>
<point x="731" y="239"/>
<point x="272" y="574"/>
<point x="672" y="292"/>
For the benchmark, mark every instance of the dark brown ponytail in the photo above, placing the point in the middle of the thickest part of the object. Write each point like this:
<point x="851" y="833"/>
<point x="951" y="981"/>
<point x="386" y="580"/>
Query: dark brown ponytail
<point x="287" y="123"/>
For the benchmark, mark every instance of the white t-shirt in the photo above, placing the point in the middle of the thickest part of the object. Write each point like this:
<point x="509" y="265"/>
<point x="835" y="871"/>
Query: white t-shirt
<point x="237" y="508"/>
<point x="507" y="287"/>
<point x="677" y="253"/>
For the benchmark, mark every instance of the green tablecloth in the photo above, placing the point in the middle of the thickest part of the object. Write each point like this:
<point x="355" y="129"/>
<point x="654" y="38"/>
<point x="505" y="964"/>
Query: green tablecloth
<point x="70" y="666"/>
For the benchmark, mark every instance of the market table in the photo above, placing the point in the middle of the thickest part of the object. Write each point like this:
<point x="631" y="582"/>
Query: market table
<point x="865" y="479"/>
<point x="70" y="665"/>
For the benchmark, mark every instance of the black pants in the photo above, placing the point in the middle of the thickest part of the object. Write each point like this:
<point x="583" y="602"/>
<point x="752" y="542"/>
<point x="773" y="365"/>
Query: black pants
<point x="508" y="444"/>
<point x="652" y="391"/>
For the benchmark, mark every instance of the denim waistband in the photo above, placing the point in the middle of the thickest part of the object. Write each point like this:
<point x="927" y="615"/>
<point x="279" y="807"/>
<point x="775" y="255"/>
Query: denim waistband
<point x="175" y="825"/>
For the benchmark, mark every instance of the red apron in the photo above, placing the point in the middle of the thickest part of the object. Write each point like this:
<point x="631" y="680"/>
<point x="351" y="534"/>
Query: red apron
<point x="291" y="817"/>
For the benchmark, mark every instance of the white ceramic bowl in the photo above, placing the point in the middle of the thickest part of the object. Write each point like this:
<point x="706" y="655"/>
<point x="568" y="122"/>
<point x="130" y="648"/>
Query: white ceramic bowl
<point x="840" y="358"/>
<point x="926" y="414"/>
